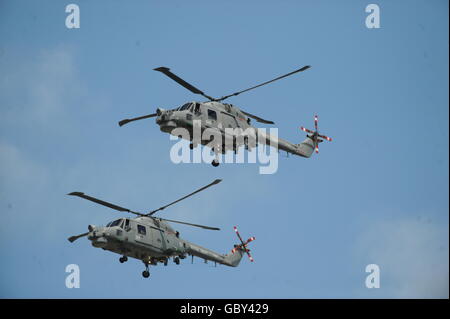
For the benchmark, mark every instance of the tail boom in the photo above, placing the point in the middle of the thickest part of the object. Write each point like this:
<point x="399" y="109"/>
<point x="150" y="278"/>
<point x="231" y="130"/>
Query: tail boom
<point x="231" y="259"/>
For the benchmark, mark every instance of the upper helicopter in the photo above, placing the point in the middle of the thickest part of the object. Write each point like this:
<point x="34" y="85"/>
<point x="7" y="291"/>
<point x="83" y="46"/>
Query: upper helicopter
<point x="223" y="118"/>
<point x="152" y="240"/>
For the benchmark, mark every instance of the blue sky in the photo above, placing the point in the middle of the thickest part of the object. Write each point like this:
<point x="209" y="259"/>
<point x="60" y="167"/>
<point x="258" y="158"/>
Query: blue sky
<point x="377" y="194"/>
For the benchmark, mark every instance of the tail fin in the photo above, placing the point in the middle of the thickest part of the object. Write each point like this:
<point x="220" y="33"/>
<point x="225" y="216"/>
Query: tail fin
<point x="306" y="148"/>
<point x="234" y="257"/>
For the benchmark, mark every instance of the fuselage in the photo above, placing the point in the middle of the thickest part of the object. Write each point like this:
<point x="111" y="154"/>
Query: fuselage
<point x="205" y="121"/>
<point x="149" y="240"/>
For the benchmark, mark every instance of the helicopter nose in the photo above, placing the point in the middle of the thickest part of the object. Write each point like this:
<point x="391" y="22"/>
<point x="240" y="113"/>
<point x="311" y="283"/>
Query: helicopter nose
<point x="99" y="242"/>
<point x="159" y="111"/>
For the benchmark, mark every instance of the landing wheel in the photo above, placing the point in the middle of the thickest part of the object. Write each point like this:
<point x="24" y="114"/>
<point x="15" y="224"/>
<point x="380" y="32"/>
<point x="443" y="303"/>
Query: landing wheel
<point x="215" y="163"/>
<point x="191" y="146"/>
<point x="146" y="273"/>
<point x="165" y="262"/>
<point x="123" y="259"/>
<point x="176" y="260"/>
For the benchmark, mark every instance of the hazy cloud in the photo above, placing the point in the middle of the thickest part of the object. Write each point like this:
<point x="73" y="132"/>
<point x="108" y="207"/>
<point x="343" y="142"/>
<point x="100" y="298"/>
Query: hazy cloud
<point x="412" y="255"/>
<point x="39" y="89"/>
<point x="16" y="171"/>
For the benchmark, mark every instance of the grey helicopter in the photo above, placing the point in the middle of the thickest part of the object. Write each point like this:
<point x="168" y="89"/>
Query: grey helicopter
<point x="152" y="240"/>
<point x="223" y="118"/>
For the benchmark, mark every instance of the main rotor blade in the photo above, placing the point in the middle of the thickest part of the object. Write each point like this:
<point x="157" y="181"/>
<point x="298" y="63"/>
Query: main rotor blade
<point x="217" y="181"/>
<point x="195" y="225"/>
<point x="256" y="86"/>
<point x="73" y="238"/>
<point x="257" y="118"/>
<point x="101" y="202"/>
<point x="182" y="82"/>
<point x="125" y="121"/>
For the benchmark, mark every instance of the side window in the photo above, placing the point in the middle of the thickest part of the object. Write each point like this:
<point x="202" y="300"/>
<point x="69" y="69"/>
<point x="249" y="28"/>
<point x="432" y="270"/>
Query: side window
<point x="229" y="120"/>
<point x="127" y="224"/>
<point x="212" y="115"/>
<point x="141" y="229"/>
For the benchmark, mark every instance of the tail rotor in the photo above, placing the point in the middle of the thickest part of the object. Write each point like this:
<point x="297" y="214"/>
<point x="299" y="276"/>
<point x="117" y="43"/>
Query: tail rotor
<point x="314" y="135"/>
<point x="243" y="245"/>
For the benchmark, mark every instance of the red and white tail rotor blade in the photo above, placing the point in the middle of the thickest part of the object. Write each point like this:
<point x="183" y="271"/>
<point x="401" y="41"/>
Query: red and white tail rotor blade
<point x="243" y="245"/>
<point x="250" y="240"/>
<point x="249" y="256"/>
<point x="247" y="250"/>
<point x="239" y="236"/>
<point x="326" y="137"/>
<point x="315" y="135"/>
<point x="306" y="130"/>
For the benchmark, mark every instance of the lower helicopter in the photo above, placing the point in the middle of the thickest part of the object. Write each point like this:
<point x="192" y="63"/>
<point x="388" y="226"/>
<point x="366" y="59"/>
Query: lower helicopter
<point x="152" y="240"/>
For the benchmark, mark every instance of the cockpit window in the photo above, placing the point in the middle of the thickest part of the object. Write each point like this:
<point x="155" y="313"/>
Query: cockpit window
<point x="185" y="106"/>
<point x="115" y="223"/>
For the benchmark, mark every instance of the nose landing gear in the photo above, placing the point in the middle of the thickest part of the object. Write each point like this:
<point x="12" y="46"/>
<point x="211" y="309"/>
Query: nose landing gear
<point x="215" y="161"/>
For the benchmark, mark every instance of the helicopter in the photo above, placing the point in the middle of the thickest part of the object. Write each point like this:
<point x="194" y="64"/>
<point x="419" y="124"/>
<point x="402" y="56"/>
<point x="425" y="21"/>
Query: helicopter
<point x="152" y="240"/>
<point x="221" y="117"/>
